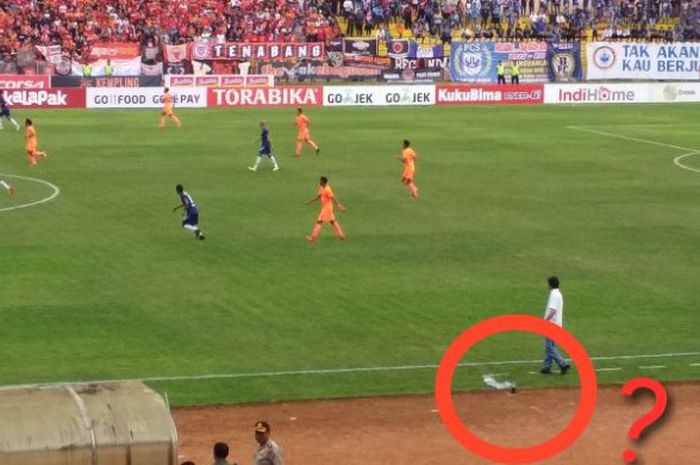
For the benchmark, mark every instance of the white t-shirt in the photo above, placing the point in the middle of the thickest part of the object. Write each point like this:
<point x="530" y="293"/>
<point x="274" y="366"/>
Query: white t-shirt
<point x="555" y="303"/>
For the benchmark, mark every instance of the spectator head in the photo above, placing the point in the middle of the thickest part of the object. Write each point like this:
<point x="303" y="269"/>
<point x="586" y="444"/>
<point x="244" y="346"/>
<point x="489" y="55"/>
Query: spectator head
<point x="406" y="143"/>
<point x="553" y="282"/>
<point x="262" y="428"/>
<point x="220" y="451"/>
<point x="324" y="181"/>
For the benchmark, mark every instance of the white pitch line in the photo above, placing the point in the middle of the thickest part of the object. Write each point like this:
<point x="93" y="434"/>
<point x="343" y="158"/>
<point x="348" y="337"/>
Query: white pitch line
<point x="609" y="369"/>
<point x="678" y="163"/>
<point x="633" y="139"/>
<point x="694" y="364"/>
<point x="53" y="195"/>
<point x="334" y="371"/>
<point x="652" y="367"/>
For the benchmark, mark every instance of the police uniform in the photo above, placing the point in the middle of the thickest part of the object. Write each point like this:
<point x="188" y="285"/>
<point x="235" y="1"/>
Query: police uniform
<point x="269" y="452"/>
<point x="501" y="71"/>
<point x="515" y="73"/>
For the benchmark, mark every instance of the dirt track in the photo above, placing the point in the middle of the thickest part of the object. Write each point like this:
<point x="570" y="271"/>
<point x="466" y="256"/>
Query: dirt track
<point x="407" y="430"/>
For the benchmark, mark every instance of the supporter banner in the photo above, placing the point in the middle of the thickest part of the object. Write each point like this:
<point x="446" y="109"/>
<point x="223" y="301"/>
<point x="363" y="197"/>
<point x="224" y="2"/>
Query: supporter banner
<point x="420" y="63"/>
<point x="478" y="61"/>
<point x="564" y="60"/>
<point x="675" y="92"/>
<point x="398" y="48"/>
<point x="477" y="94"/>
<point x="113" y="81"/>
<point x="413" y="75"/>
<point x="596" y="93"/>
<point x="609" y="60"/>
<point x="234" y="80"/>
<point x="24" y="81"/>
<point x="136" y="97"/>
<point x="356" y="46"/>
<point x="417" y="50"/>
<point x="175" y="53"/>
<point x="309" y="70"/>
<point x="52" y="53"/>
<point x="207" y="50"/>
<point x="114" y="50"/>
<point x="46" y="98"/>
<point x="379" y="95"/>
<point x="155" y="69"/>
<point x="266" y="96"/>
<point x="130" y="67"/>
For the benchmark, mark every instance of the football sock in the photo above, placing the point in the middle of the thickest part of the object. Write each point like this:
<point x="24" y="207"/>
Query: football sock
<point x="338" y="230"/>
<point x="15" y="123"/>
<point x="316" y="231"/>
<point x="313" y="144"/>
<point x="274" y="162"/>
<point x="5" y="185"/>
<point x="297" y="152"/>
<point x="414" y="190"/>
<point x="257" y="162"/>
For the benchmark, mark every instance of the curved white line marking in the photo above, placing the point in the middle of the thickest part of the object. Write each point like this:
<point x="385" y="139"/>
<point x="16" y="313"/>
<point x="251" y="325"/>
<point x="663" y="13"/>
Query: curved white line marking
<point x="678" y="163"/>
<point x="54" y="193"/>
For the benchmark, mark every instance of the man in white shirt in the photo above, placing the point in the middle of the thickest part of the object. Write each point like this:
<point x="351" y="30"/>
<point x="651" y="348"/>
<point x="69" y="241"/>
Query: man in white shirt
<point x="554" y="313"/>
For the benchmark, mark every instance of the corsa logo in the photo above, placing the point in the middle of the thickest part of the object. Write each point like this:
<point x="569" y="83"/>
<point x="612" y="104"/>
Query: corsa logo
<point x="24" y="82"/>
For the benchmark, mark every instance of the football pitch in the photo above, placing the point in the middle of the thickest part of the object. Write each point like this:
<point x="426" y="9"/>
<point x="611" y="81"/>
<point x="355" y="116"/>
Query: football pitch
<point x="100" y="282"/>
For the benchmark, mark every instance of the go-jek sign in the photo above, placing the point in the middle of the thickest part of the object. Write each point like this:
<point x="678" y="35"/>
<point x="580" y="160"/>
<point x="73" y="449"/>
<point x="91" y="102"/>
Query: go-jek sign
<point x="608" y="60"/>
<point x="378" y="95"/>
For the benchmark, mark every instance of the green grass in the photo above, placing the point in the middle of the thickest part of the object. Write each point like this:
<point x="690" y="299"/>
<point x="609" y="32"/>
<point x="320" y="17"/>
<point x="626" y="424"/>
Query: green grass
<point x="102" y="282"/>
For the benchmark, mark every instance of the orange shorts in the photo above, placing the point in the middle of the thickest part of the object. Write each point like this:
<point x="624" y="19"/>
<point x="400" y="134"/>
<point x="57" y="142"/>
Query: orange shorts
<point x="168" y="112"/>
<point x="303" y="135"/>
<point x="326" y="216"/>
<point x="31" y="149"/>
<point x="408" y="173"/>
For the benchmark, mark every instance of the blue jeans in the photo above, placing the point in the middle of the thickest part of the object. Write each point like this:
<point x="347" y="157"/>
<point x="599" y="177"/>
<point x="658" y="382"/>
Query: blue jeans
<point x="551" y="355"/>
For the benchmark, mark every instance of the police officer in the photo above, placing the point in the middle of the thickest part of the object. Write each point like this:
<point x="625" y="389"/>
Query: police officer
<point x="515" y="73"/>
<point x="109" y="69"/>
<point x="501" y="71"/>
<point x="87" y="70"/>
<point x="269" y="452"/>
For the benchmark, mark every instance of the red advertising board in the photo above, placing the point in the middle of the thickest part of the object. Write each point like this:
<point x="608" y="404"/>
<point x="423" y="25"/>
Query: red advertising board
<point x="494" y="94"/>
<point x="265" y="96"/>
<point x="25" y="81"/>
<point x="67" y="97"/>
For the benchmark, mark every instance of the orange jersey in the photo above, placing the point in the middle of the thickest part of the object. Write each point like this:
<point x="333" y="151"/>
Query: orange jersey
<point x="167" y="102"/>
<point x="409" y="158"/>
<point x="302" y="122"/>
<point x="31" y="137"/>
<point x="326" y="195"/>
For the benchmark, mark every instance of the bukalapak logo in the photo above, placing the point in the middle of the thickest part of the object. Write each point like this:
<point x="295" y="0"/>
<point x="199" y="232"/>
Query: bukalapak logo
<point x="597" y="94"/>
<point x="37" y="98"/>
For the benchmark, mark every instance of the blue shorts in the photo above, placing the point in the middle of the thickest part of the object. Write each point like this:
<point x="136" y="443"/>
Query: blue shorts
<point x="192" y="219"/>
<point x="4" y="112"/>
<point x="265" y="150"/>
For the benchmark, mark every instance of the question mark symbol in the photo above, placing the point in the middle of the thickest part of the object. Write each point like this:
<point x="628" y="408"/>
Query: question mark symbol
<point x="650" y="417"/>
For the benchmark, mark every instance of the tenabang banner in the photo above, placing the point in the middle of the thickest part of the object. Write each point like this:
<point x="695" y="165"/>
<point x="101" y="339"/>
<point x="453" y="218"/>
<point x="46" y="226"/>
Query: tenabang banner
<point x="266" y="96"/>
<point x="46" y="98"/>
<point x="208" y="50"/>
<point x="489" y="94"/>
<point x="144" y="97"/>
<point x="667" y="61"/>
<point x="379" y="95"/>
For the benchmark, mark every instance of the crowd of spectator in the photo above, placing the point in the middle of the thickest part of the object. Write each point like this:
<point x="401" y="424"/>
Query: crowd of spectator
<point x="76" y="24"/>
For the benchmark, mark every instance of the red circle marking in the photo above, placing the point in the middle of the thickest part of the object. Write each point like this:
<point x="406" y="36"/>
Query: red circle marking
<point x="497" y="325"/>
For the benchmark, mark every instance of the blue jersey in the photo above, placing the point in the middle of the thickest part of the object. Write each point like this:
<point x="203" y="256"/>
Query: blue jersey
<point x="189" y="204"/>
<point x="4" y="108"/>
<point x="265" y="138"/>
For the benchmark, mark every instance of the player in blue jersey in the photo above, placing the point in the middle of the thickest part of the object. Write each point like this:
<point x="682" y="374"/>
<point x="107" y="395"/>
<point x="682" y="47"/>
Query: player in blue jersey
<point x="191" y="221"/>
<point x="5" y="111"/>
<point x="265" y="149"/>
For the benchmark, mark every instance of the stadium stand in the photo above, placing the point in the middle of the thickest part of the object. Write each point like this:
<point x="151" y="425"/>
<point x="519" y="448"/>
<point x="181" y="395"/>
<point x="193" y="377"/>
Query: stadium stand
<point x="77" y="24"/>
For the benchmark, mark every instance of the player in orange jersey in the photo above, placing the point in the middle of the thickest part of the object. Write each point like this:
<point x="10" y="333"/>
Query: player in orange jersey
<point x="303" y="135"/>
<point x="168" y="109"/>
<point x="408" y="157"/>
<point x="32" y="152"/>
<point x="327" y="198"/>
